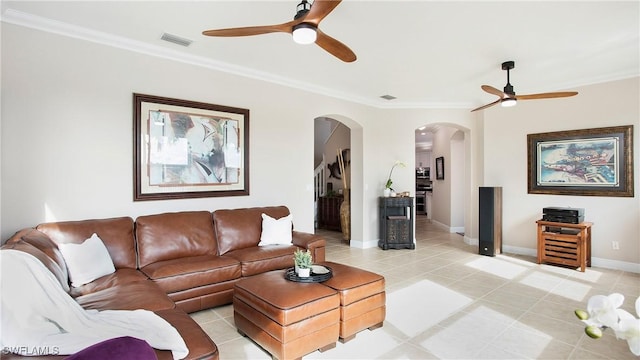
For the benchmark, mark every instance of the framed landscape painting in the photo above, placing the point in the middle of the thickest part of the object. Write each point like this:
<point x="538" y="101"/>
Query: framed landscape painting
<point x="591" y="162"/>
<point x="187" y="149"/>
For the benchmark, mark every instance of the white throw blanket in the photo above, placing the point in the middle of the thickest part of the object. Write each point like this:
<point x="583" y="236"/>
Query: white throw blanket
<point x="38" y="317"/>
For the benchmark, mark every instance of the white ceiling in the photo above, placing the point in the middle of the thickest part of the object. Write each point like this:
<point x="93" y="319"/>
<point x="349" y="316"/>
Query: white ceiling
<point x="428" y="54"/>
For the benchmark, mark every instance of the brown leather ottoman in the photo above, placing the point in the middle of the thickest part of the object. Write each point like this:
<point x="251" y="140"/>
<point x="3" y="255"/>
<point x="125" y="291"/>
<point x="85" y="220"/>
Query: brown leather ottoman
<point x="362" y="298"/>
<point x="288" y="319"/>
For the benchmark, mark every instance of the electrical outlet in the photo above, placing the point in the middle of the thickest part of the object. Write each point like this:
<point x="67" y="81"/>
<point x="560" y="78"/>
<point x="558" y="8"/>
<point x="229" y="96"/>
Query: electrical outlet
<point x="615" y="245"/>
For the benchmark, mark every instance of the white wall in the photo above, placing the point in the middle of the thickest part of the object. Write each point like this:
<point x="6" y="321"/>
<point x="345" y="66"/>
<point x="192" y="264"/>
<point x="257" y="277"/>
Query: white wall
<point x="67" y="149"/>
<point x="394" y="140"/>
<point x="457" y="171"/>
<point x="505" y="164"/>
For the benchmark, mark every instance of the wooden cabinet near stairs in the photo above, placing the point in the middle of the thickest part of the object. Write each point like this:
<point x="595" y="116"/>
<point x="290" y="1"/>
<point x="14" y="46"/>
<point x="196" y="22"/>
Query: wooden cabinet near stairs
<point x="329" y="212"/>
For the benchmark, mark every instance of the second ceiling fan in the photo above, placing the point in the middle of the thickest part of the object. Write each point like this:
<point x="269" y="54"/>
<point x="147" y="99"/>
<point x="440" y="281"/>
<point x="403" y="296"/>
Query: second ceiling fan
<point x="508" y="97"/>
<point x="303" y="28"/>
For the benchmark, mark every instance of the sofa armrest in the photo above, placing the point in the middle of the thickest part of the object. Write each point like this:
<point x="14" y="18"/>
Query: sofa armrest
<point x="315" y="243"/>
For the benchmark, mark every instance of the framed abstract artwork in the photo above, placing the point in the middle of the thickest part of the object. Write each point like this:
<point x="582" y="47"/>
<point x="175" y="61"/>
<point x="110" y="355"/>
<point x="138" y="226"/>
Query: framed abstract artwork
<point x="186" y="149"/>
<point x="586" y="162"/>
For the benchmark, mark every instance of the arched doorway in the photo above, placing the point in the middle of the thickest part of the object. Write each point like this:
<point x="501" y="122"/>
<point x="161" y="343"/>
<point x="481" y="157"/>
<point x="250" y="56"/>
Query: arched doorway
<point x="333" y="132"/>
<point x="332" y="181"/>
<point x="444" y="197"/>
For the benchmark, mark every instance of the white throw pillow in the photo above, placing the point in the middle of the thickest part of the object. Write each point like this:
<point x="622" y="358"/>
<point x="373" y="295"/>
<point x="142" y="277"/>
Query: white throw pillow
<point x="275" y="231"/>
<point x="87" y="261"/>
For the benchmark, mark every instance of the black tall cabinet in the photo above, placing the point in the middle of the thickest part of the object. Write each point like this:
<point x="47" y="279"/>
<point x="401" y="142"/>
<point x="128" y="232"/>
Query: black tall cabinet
<point x="396" y="223"/>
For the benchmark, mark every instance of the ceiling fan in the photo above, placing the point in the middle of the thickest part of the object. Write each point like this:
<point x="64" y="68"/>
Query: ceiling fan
<point x="508" y="97"/>
<point x="303" y="28"/>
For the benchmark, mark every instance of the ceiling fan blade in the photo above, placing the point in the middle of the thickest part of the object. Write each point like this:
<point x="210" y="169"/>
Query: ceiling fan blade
<point x="254" y="30"/>
<point x="547" y="95"/>
<point x="494" y="91"/>
<point x="335" y="47"/>
<point x="319" y="10"/>
<point x="488" y="105"/>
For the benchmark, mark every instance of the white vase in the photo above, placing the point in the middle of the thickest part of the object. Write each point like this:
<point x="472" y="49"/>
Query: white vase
<point x="387" y="192"/>
<point x="304" y="272"/>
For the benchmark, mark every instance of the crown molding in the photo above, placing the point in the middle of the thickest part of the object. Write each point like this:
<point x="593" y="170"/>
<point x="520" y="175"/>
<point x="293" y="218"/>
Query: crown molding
<point x="16" y="17"/>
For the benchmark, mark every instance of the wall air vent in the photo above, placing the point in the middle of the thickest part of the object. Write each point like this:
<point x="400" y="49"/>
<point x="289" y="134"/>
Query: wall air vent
<point x="176" y="39"/>
<point x="388" y="97"/>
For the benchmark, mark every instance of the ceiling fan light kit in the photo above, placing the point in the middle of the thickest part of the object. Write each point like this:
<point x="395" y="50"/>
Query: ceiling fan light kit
<point x="304" y="34"/>
<point x="508" y="97"/>
<point x="508" y="102"/>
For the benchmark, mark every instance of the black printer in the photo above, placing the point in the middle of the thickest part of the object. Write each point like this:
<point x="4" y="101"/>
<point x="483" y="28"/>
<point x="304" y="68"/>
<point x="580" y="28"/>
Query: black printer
<point x="563" y="215"/>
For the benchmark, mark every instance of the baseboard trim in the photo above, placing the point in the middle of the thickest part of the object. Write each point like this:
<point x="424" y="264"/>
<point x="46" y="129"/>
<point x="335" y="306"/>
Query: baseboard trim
<point x="363" y="244"/>
<point x="595" y="261"/>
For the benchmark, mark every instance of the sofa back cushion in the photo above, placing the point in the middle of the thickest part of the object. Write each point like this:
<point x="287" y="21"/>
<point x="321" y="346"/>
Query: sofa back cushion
<point x="116" y="233"/>
<point x="174" y="235"/>
<point x="241" y="228"/>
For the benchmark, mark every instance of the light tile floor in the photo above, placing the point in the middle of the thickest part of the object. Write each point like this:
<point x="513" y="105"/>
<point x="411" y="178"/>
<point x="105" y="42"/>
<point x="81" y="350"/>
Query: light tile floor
<point x="446" y="302"/>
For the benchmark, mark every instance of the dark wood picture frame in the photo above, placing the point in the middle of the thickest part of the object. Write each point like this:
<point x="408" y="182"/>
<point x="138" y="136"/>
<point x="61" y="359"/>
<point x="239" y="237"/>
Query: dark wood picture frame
<point x="586" y="162"/>
<point x="440" y="168"/>
<point x="187" y="149"/>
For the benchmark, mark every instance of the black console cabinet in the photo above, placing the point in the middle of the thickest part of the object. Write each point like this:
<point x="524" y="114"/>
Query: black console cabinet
<point x="396" y="223"/>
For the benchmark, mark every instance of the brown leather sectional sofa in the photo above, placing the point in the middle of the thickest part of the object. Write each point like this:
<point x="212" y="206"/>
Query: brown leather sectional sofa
<point x="171" y="263"/>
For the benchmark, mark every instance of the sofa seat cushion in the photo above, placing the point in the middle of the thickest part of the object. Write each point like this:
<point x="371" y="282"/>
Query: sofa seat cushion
<point x="191" y="272"/>
<point x="120" y="277"/>
<point x="257" y="260"/>
<point x="128" y="296"/>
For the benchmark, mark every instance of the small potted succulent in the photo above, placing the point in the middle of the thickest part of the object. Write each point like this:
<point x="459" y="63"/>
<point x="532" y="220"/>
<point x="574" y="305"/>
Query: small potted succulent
<point x="303" y="261"/>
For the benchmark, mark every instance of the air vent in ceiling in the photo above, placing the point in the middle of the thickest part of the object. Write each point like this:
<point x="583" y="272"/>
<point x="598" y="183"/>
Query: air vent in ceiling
<point x="176" y="39"/>
<point x="388" y="97"/>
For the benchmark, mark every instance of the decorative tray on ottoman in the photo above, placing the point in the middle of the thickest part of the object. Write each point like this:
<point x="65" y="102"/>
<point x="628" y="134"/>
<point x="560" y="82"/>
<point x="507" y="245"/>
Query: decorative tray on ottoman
<point x="319" y="273"/>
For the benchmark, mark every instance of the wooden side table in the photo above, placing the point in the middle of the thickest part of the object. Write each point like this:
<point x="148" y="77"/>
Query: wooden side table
<point x="564" y="244"/>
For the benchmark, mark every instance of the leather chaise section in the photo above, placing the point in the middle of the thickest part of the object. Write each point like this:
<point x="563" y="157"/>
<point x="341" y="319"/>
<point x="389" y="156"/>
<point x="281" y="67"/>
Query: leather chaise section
<point x="129" y="296"/>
